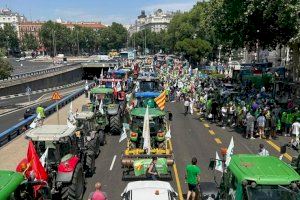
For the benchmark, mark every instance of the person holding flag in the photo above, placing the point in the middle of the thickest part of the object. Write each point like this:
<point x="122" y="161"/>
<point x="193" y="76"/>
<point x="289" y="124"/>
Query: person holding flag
<point x="33" y="169"/>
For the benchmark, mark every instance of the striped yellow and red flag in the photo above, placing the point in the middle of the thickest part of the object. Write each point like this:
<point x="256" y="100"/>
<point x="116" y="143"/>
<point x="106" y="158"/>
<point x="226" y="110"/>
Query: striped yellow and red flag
<point x="161" y="100"/>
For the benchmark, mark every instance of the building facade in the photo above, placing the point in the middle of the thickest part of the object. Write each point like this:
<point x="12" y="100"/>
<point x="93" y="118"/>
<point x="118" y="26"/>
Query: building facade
<point x="156" y="22"/>
<point x="34" y="27"/>
<point x="9" y="17"/>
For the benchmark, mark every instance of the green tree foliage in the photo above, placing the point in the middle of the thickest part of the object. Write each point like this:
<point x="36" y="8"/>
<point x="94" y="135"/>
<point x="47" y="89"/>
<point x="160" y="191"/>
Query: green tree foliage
<point x="9" y="37"/>
<point x="81" y="39"/>
<point x="55" y="35"/>
<point x="194" y="49"/>
<point x="242" y="23"/>
<point x="29" y="42"/>
<point x="112" y="37"/>
<point x="154" y="41"/>
<point x="5" y="66"/>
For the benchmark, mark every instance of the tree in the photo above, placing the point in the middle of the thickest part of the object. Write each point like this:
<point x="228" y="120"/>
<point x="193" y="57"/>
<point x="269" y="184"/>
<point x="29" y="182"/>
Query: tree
<point x="29" y="42"/>
<point x="5" y="66"/>
<point x="112" y="37"/>
<point x="9" y="37"/>
<point x="194" y="49"/>
<point x="241" y="23"/>
<point x="55" y="36"/>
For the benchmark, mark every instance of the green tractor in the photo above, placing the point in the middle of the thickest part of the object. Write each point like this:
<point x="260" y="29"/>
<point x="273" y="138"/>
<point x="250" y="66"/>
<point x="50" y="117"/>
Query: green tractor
<point x="111" y="107"/>
<point x="135" y="158"/>
<point x="251" y="177"/>
<point x="14" y="186"/>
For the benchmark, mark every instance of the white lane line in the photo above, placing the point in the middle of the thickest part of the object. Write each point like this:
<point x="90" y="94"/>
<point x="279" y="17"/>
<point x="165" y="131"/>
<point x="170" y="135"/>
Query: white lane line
<point x="112" y="163"/>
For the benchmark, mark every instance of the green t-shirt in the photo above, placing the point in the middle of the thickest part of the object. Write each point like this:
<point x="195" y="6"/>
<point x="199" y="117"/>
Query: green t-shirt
<point x="192" y="171"/>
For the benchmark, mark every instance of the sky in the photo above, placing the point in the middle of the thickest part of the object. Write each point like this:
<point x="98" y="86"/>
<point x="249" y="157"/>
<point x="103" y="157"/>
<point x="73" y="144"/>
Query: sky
<point x="105" y="11"/>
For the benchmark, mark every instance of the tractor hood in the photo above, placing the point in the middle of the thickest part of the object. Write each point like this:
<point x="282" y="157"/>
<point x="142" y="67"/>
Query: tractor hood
<point x="9" y="181"/>
<point x="112" y="109"/>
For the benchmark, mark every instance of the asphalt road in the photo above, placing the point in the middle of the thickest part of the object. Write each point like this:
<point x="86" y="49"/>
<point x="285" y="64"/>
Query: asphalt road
<point x="190" y="137"/>
<point x="28" y="66"/>
<point x="9" y="119"/>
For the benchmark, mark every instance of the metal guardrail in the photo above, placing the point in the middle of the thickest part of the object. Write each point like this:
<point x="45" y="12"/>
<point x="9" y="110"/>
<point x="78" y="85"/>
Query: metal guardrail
<point x="39" y="72"/>
<point x="16" y="130"/>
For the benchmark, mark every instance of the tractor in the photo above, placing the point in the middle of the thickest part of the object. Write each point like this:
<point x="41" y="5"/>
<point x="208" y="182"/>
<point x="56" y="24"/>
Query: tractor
<point x="134" y="153"/>
<point x="92" y="127"/>
<point x="250" y="177"/>
<point x="111" y="107"/>
<point x="67" y="160"/>
<point x="148" y="84"/>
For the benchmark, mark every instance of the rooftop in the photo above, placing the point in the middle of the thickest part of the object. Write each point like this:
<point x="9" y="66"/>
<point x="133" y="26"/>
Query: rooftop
<point x="264" y="170"/>
<point x="50" y="132"/>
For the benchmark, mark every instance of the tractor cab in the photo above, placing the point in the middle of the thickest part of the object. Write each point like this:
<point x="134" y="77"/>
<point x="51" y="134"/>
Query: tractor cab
<point x="148" y="84"/>
<point x="66" y="160"/>
<point x="250" y="177"/>
<point x="91" y="126"/>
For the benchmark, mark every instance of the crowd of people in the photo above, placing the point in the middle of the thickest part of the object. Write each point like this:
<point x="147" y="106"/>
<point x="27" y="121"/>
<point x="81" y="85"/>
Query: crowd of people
<point x="252" y="111"/>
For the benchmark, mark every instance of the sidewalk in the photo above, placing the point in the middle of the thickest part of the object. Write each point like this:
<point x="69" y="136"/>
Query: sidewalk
<point x="12" y="153"/>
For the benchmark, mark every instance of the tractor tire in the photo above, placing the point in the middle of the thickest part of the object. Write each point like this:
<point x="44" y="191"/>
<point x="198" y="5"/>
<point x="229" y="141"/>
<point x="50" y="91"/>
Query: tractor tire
<point x="115" y="124"/>
<point x="90" y="163"/>
<point x="75" y="189"/>
<point x="101" y="138"/>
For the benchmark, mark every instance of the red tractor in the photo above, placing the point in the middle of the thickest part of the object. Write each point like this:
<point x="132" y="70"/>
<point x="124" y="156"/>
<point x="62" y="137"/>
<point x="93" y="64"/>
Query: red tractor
<point x="65" y="161"/>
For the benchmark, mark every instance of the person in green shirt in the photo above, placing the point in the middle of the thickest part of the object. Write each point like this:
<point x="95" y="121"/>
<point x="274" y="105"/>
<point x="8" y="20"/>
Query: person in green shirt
<point x="192" y="178"/>
<point x="40" y="111"/>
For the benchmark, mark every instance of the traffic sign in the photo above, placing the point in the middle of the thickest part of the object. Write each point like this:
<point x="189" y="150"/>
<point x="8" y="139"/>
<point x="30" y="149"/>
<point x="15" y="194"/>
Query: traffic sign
<point x="56" y="96"/>
<point x="28" y="90"/>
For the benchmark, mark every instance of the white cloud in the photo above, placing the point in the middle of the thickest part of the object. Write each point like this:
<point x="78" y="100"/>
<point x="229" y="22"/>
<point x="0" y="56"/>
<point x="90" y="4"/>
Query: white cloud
<point x="170" y="6"/>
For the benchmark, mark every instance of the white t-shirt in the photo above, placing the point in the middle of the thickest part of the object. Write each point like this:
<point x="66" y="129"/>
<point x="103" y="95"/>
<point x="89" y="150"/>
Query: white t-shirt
<point x="186" y="103"/>
<point x="296" y="128"/>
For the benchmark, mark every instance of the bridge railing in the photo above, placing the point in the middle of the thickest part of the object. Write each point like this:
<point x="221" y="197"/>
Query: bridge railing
<point x="16" y="130"/>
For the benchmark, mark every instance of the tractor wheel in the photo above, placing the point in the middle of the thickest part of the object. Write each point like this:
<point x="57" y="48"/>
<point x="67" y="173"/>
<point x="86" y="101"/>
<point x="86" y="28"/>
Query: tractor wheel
<point x="101" y="138"/>
<point x="74" y="191"/>
<point x="115" y="124"/>
<point x="90" y="162"/>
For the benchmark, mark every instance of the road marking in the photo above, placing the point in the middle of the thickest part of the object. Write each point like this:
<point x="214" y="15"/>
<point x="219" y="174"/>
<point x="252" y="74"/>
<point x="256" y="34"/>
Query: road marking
<point x="180" y="195"/>
<point x="218" y="140"/>
<point x="41" y="97"/>
<point x="206" y="125"/>
<point x="112" y="163"/>
<point x="211" y="132"/>
<point x="278" y="149"/>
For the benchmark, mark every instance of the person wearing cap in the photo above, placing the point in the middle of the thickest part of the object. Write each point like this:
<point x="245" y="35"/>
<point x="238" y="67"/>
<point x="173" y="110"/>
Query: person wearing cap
<point x="262" y="151"/>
